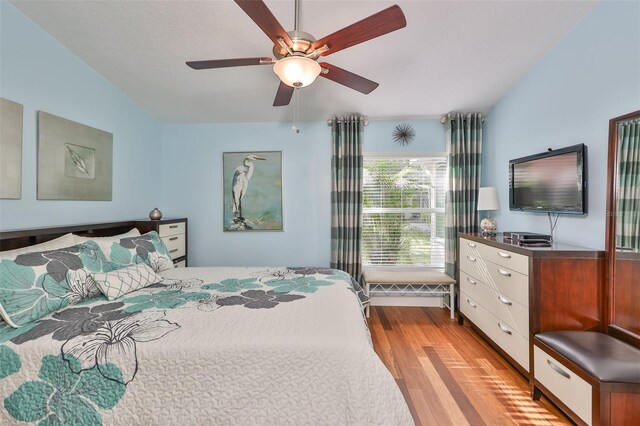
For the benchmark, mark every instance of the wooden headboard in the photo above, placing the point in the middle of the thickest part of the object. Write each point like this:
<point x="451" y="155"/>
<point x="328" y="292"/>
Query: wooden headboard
<point x="27" y="237"/>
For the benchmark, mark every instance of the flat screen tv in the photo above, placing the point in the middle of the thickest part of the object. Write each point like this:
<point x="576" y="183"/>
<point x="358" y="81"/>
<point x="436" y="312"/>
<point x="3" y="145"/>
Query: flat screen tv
<point x="550" y="182"/>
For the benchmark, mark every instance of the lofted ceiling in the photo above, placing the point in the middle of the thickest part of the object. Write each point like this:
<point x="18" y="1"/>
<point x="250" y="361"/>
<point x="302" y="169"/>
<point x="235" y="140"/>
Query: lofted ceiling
<point x="452" y="56"/>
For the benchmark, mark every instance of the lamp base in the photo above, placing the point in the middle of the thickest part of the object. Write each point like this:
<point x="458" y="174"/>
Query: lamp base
<point x="488" y="226"/>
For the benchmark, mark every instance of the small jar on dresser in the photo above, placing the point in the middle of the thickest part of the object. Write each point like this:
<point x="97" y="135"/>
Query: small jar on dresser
<point x="173" y="233"/>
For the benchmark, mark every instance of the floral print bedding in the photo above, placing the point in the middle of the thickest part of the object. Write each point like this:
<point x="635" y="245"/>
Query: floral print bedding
<point x="203" y="346"/>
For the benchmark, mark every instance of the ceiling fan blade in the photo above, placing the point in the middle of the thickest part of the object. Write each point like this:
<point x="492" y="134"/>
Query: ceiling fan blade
<point x="262" y="16"/>
<point x="381" y="23"/>
<point x="225" y="63"/>
<point x="349" y="79"/>
<point x="283" y="96"/>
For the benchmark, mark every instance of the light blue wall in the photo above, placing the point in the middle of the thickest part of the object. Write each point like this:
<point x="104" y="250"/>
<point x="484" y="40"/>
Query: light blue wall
<point x="568" y="98"/>
<point x="41" y="74"/>
<point x="429" y="137"/>
<point x="192" y="157"/>
<point x="174" y="167"/>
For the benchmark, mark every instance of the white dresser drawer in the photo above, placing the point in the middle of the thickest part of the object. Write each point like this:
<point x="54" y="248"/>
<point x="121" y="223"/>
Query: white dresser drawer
<point x="469" y="306"/>
<point x="513" y="314"/>
<point x="469" y="258"/>
<point x="479" y="292"/>
<point x="175" y="245"/>
<point x="573" y="391"/>
<point x="512" y="342"/>
<point x="514" y="261"/>
<point x="167" y="229"/>
<point x="468" y="243"/>
<point x="181" y="264"/>
<point x="469" y="264"/>
<point x="472" y="286"/>
<point x="508" y="282"/>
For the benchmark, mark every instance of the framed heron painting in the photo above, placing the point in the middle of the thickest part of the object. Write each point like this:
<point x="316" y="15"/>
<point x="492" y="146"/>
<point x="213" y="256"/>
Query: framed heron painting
<point x="252" y="191"/>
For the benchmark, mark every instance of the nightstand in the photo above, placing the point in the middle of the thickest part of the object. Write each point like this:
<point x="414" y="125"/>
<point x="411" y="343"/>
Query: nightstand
<point x="173" y="233"/>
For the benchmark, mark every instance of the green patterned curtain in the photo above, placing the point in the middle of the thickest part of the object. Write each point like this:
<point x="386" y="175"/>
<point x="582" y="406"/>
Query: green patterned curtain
<point x="464" y="152"/>
<point x="628" y="209"/>
<point x="346" y="194"/>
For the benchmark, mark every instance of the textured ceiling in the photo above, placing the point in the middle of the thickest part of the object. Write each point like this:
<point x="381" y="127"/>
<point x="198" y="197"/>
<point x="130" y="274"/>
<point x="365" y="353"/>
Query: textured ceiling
<point x="452" y="56"/>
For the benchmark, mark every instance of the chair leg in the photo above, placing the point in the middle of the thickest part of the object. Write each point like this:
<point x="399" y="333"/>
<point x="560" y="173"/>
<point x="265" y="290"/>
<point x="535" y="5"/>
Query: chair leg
<point x="452" y="299"/>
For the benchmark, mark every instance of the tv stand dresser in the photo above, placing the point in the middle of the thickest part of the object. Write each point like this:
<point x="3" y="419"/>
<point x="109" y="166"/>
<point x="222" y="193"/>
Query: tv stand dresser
<point x="510" y="293"/>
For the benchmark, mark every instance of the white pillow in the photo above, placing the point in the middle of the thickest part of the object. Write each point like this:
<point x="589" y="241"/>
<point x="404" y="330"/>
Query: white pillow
<point x="115" y="284"/>
<point x="66" y="240"/>
<point x="115" y="238"/>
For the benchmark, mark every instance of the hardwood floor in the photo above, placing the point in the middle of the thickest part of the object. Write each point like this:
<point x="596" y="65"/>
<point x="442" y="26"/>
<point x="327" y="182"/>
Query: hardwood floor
<point x="449" y="375"/>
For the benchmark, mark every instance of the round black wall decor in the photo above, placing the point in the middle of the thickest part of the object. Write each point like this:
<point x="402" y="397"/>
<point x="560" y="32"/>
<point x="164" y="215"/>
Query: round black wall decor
<point x="404" y="134"/>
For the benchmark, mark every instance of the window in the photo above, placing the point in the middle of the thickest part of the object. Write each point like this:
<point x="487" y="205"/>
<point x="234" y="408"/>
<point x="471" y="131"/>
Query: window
<point x="403" y="211"/>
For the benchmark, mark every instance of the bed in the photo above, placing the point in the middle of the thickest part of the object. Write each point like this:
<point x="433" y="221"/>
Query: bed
<point x="276" y="345"/>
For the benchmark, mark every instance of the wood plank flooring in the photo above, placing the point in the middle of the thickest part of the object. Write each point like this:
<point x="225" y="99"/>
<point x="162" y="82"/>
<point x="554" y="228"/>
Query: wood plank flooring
<point x="449" y="375"/>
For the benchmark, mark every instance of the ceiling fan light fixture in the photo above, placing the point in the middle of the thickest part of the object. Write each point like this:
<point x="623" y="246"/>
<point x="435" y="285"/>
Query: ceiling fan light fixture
<point x="297" y="71"/>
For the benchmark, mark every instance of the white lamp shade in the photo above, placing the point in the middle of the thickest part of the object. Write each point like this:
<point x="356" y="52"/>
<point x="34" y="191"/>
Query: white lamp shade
<point x="488" y="199"/>
<point x="297" y="71"/>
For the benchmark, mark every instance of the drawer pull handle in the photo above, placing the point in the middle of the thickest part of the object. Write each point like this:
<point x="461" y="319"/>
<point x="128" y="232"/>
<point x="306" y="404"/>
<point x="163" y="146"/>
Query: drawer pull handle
<point x="504" y="329"/>
<point x="471" y="281"/>
<point x="471" y="258"/>
<point x="471" y="244"/>
<point x="505" y="301"/>
<point x="473" y="305"/>
<point x="504" y="255"/>
<point x="503" y="272"/>
<point x="173" y="226"/>
<point x="173" y="238"/>
<point x="557" y="369"/>
<point x="173" y="251"/>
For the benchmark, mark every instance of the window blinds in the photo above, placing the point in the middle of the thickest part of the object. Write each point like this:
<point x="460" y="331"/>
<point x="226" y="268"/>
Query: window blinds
<point x="403" y="211"/>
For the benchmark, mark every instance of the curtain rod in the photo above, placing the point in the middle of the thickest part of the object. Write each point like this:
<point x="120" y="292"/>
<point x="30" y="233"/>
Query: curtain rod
<point x="365" y="121"/>
<point x="445" y="117"/>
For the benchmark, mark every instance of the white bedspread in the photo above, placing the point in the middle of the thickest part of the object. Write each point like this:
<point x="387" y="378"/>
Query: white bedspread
<point x="227" y="346"/>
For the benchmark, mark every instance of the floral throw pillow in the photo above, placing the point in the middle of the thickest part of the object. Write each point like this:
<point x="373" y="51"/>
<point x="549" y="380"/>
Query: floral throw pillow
<point x="35" y="284"/>
<point x="147" y="248"/>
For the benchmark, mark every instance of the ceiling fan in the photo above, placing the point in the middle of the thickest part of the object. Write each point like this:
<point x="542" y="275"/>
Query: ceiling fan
<point x="296" y="52"/>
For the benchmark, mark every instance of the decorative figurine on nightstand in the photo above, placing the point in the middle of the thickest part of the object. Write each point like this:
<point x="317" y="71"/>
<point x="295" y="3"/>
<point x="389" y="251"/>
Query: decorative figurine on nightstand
<point x="155" y="214"/>
<point x="488" y="200"/>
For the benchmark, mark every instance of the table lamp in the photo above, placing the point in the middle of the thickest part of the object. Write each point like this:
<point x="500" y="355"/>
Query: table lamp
<point x="488" y="201"/>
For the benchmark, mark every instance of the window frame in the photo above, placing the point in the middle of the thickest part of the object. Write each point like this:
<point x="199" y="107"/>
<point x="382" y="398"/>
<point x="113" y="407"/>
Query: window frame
<point x="405" y="156"/>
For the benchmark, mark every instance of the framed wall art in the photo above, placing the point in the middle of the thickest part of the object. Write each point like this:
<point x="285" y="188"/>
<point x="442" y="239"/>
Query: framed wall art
<point x="10" y="149"/>
<point x="74" y="161"/>
<point x="252" y="183"/>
